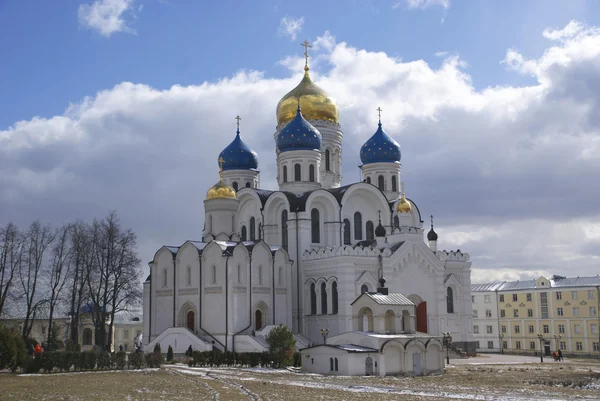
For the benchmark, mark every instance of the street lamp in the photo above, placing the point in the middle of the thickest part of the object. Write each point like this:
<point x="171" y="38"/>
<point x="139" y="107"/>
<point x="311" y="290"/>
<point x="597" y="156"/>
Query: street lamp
<point x="501" y="336"/>
<point x="324" y="333"/>
<point x="447" y="337"/>
<point x="541" y="338"/>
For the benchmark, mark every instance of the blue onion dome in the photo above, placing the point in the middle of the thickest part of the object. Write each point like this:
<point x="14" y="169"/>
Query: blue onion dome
<point x="238" y="156"/>
<point x="432" y="235"/>
<point x="380" y="148"/>
<point x="298" y="134"/>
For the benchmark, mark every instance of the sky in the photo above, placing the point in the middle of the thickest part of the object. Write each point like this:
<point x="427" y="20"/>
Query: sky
<point x="125" y="105"/>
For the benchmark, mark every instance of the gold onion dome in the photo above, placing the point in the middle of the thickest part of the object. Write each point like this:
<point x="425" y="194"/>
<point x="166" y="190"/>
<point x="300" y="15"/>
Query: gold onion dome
<point x="404" y="205"/>
<point x="315" y="103"/>
<point x="220" y="190"/>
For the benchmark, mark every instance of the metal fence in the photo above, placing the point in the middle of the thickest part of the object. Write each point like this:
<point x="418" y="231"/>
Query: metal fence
<point x="582" y="355"/>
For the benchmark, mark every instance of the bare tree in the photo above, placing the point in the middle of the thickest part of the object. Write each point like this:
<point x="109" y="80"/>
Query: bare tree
<point x="80" y="245"/>
<point x="36" y="243"/>
<point x="11" y="242"/>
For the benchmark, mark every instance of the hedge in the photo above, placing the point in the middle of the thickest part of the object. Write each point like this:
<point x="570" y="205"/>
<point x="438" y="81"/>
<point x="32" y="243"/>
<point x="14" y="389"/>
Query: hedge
<point x="232" y="359"/>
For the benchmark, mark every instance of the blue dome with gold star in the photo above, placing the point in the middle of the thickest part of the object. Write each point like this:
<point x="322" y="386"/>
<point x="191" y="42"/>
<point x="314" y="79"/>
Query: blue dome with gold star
<point x="298" y="134"/>
<point x="380" y="148"/>
<point x="238" y="156"/>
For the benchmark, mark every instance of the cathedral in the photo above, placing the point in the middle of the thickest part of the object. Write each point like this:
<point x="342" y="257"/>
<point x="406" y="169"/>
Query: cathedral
<point x="303" y="253"/>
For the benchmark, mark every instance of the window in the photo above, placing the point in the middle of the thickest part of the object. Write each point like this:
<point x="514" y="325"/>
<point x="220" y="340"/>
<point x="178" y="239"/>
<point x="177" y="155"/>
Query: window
<point x="544" y="304"/>
<point x="517" y="329"/>
<point x="347" y="240"/>
<point x="164" y="277"/>
<point x="313" y="299"/>
<point x="476" y="329"/>
<point x="280" y="280"/>
<point x="244" y="233"/>
<point x="487" y="299"/>
<point x="126" y="334"/>
<point x="357" y="226"/>
<point x="248" y="184"/>
<point x="260" y="275"/>
<point x="315" y="226"/>
<point x="515" y="313"/>
<point x="594" y="328"/>
<point x="323" y="299"/>
<point x="501" y="297"/>
<point x="529" y="312"/>
<point x="593" y="311"/>
<point x="335" y="360"/>
<point x="515" y="298"/>
<point x="558" y="295"/>
<point x="252" y="228"/>
<point x="532" y="345"/>
<point x="475" y="313"/>
<point x="490" y="344"/>
<point x="284" y="229"/>
<point x="575" y="311"/>
<point x="381" y="183"/>
<point x="284" y="173"/>
<point x="528" y="297"/>
<point x="311" y="173"/>
<point x="394" y="184"/>
<point x="189" y="275"/>
<point x="370" y="231"/>
<point x="502" y="313"/>
<point x="331" y="364"/>
<point x="473" y="299"/>
<point x="327" y="160"/>
<point x="531" y="328"/>
<point x="239" y="274"/>
<point x="504" y="344"/>
<point x="476" y="344"/>
<point x="334" y="298"/>
<point x="235" y="186"/>
<point x="518" y="345"/>
<point x="579" y="346"/>
<point x="87" y="336"/>
<point x="449" y="300"/>
<point x="488" y="313"/>
<point x="596" y="346"/>
<point x="364" y="288"/>
<point x="577" y="328"/>
<point x="489" y="329"/>
<point x="559" y="311"/>
<point x="297" y="172"/>
<point x="563" y="345"/>
<point x="574" y="295"/>
<point x="546" y="329"/>
<point x="368" y="180"/>
<point x="503" y="329"/>
<point x="590" y="294"/>
<point x="561" y="328"/>
<point x="214" y="275"/>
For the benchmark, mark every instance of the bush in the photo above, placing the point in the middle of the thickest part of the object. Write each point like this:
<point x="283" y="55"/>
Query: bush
<point x="153" y="360"/>
<point x="120" y="360"/>
<point x="12" y="349"/>
<point x="189" y="351"/>
<point x="281" y="346"/>
<point x="48" y="361"/>
<point x="54" y="344"/>
<point x="157" y="348"/>
<point x="104" y="360"/>
<point x="90" y="360"/>
<point x="170" y="354"/>
<point x="135" y="360"/>
<point x="33" y="364"/>
<point x="297" y="360"/>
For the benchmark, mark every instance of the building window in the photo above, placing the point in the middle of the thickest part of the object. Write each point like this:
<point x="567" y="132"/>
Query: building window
<point x="489" y="329"/>
<point x="579" y="346"/>
<point x="214" y="274"/>
<point x="476" y="329"/>
<point x="575" y="311"/>
<point x="284" y="229"/>
<point x="501" y="297"/>
<point x="347" y="232"/>
<point x="563" y="345"/>
<point x="323" y="299"/>
<point x="327" y="160"/>
<point x="476" y="344"/>
<point x="488" y="313"/>
<point x="593" y="311"/>
<point x="260" y="275"/>
<point x="473" y="299"/>
<point x="531" y="328"/>
<point x="517" y="329"/>
<point x="364" y="288"/>
<point x="561" y="328"/>
<point x="189" y="275"/>
<point x="313" y="299"/>
<point x="297" y="172"/>
<point x="559" y="311"/>
<point x="239" y="274"/>
<point x="252" y="229"/>
<point x="529" y="312"/>
<point x="596" y="346"/>
<point x="280" y="280"/>
<point x="334" y="298"/>
<point x="475" y="313"/>
<point x="394" y="184"/>
<point x="449" y="300"/>
<point x="546" y="329"/>
<point x="490" y="344"/>
<point x="515" y="313"/>
<point x="335" y="360"/>
<point x="87" y="336"/>
<point x="515" y="298"/>
<point x="284" y="173"/>
<point x="235" y="186"/>
<point x="528" y="297"/>
<point x="487" y="299"/>
<point x="311" y="173"/>
<point x="590" y="294"/>
<point x="518" y="345"/>
<point x="558" y="295"/>
<point x="503" y="329"/>
<point x="574" y="295"/>
<point x="381" y="183"/>
<point x="315" y="226"/>
<point x="331" y="364"/>
<point x="504" y="344"/>
<point x="594" y="328"/>
<point x="532" y="345"/>
<point x="368" y="180"/>
<point x="357" y="226"/>
<point x="544" y="304"/>
<point x="397" y="224"/>
<point x="502" y="313"/>
<point x="577" y="329"/>
<point x="164" y="277"/>
<point x="370" y="231"/>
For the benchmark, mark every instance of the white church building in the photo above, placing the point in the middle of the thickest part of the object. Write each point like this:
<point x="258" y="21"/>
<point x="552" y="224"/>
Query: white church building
<point x="302" y="253"/>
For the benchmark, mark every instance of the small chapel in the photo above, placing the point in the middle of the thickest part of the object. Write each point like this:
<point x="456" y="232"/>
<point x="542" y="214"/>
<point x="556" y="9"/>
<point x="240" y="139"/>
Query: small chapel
<point x="313" y="254"/>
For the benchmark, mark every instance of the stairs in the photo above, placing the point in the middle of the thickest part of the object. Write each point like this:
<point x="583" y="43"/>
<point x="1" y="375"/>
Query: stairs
<point x="457" y="353"/>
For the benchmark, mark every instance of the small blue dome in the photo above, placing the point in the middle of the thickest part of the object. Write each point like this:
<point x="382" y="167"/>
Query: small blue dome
<point x="238" y="156"/>
<point x="380" y="148"/>
<point x="298" y="134"/>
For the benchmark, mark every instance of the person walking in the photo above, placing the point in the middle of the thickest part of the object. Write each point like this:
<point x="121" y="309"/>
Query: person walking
<point x="560" y="358"/>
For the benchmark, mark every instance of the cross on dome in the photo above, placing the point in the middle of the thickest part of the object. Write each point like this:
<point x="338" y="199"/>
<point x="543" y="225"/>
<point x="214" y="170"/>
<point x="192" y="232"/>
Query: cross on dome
<point x="238" y="118"/>
<point x="221" y="161"/>
<point x="306" y="46"/>
<point x="379" y="113"/>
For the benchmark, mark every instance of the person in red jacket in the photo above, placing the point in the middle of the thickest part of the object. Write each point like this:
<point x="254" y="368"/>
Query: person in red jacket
<point x="37" y="350"/>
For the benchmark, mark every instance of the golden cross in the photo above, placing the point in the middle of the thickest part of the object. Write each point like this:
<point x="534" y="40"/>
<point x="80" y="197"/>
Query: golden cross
<point x="306" y="46"/>
<point x="402" y="184"/>
<point x="238" y="118"/>
<point x="221" y="161"/>
<point x="431" y="221"/>
<point x="379" y="112"/>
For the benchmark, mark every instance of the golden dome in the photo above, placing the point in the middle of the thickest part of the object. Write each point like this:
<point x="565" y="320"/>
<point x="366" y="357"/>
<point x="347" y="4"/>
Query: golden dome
<point x="314" y="102"/>
<point x="404" y="206"/>
<point x="220" y="191"/>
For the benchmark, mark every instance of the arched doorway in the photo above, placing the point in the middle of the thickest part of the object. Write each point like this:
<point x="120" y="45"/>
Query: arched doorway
<point x="87" y="336"/>
<point x="258" y="320"/>
<point x="190" y="320"/>
<point x="369" y="366"/>
<point x="422" y="317"/>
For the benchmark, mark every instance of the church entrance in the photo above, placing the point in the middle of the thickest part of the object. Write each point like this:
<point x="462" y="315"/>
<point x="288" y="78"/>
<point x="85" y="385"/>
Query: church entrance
<point x="190" y="320"/>
<point x="422" y="317"/>
<point x="258" y="320"/>
<point x="369" y="366"/>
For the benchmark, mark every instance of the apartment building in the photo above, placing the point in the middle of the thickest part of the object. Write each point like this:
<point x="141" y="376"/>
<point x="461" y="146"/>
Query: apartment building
<point x="563" y="310"/>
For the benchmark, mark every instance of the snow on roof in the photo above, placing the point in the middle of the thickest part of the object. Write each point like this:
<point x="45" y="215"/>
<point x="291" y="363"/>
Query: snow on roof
<point x="389" y="299"/>
<point x="556" y="281"/>
<point x="344" y="347"/>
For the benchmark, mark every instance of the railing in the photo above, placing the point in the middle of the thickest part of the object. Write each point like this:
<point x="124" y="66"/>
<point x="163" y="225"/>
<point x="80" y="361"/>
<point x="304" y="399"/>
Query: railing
<point x="520" y="352"/>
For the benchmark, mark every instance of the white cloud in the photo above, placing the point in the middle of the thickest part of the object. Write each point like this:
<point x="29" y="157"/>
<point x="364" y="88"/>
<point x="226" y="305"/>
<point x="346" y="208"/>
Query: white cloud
<point x="423" y="4"/>
<point x="291" y="26"/>
<point x="508" y="171"/>
<point x="107" y="16"/>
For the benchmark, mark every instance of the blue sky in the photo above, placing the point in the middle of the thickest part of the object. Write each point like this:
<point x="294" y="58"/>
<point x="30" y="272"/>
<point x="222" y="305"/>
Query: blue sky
<point x="51" y="60"/>
<point x="121" y="104"/>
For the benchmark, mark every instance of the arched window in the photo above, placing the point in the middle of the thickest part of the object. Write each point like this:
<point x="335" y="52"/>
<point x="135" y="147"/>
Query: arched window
<point x="252" y="229"/>
<point x="239" y="274"/>
<point x="284" y="229"/>
<point x="357" y="226"/>
<point x="368" y="180"/>
<point x="370" y="233"/>
<point x="381" y="183"/>
<point x="449" y="300"/>
<point x="214" y="274"/>
<point x="297" y="172"/>
<point x="334" y="298"/>
<point x="323" y="299"/>
<point x="244" y="234"/>
<point x="260" y="275"/>
<point x="164" y="277"/>
<point x="394" y="184"/>
<point x="331" y="364"/>
<point x="248" y="184"/>
<point x="311" y="173"/>
<point x="284" y="173"/>
<point x="335" y="364"/>
<point x="327" y="160"/>
<point x="313" y="299"/>
<point x="364" y="288"/>
<point x="396" y="222"/>
<point x="87" y="336"/>
<point x="346" y="232"/>
<point x="189" y="275"/>
<point x="315" y="226"/>
<point x="280" y="280"/>
<point x="235" y="185"/>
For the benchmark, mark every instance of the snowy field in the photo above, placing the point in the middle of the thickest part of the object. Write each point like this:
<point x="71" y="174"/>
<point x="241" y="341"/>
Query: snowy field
<point x="496" y="381"/>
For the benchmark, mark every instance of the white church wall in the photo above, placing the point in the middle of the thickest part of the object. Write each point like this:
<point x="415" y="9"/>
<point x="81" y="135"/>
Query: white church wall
<point x="162" y="292"/>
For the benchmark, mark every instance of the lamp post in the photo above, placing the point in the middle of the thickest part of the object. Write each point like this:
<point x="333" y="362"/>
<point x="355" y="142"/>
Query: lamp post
<point x="324" y="333"/>
<point x="556" y="339"/>
<point x="501" y="336"/>
<point x="447" y="337"/>
<point x="541" y="338"/>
